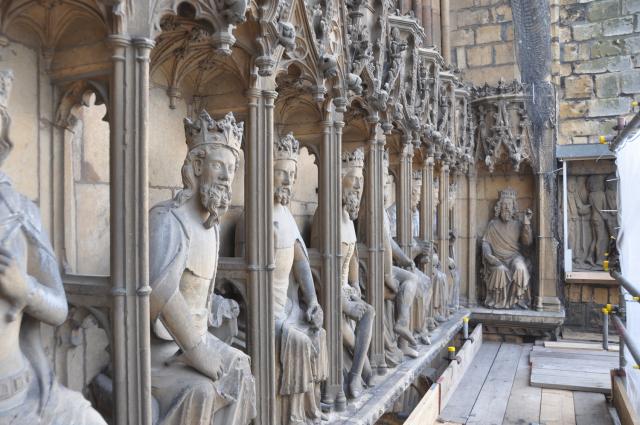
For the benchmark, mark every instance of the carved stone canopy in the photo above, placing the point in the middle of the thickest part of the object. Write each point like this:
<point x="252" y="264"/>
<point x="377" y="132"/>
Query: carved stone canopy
<point x="503" y="127"/>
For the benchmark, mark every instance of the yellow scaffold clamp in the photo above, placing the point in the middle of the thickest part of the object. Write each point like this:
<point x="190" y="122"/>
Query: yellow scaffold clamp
<point x="602" y="140"/>
<point x="605" y="311"/>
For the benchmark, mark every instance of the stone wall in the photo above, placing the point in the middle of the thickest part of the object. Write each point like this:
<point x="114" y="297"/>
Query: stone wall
<point x="600" y="66"/>
<point x="482" y="40"/>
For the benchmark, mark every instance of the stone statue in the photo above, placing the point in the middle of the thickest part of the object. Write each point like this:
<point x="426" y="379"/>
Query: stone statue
<point x="440" y="290"/>
<point x="400" y="290"/>
<point x="300" y="339"/>
<point x="196" y="377"/>
<point x="576" y="210"/>
<point x="357" y="315"/>
<point x="422" y="318"/>
<point x="598" y="201"/>
<point x="31" y="293"/>
<point x="506" y="275"/>
<point x="611" y="193"/>
<point x="453" y="275"/>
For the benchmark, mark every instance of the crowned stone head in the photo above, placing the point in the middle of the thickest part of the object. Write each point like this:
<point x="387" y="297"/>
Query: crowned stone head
<point x="205" y="130"/>
<point x="286" y="148"/>
<point x="353" y="159"/>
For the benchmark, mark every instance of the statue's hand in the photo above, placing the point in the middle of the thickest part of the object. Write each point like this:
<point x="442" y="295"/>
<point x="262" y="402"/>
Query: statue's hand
<point x="391" y="283"/>
<point x="203" y="359"/>
<point x="14" y="284"/>
<point x="527" y="216"/>
<point x="315" y="315"/>
<point x="492" y="260"/>
<point x="355" y="310"/>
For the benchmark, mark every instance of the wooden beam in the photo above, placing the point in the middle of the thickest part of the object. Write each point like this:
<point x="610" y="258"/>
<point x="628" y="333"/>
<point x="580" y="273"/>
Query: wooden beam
<point x="622" y="403"/>
<point x="427" y="411"/>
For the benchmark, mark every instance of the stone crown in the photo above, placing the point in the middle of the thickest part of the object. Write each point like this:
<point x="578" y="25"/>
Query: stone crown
<point x="6" y="82"/>
<point x="508" y="193"/>
<point x="286" y="147"/>
<point x="353" y="159"/>
<point x="205" y="130"/>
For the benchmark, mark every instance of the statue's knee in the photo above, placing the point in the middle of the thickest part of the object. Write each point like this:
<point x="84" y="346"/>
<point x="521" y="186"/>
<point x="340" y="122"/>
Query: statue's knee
<point x="201" y="390"/>
<point x="369" y="311"/>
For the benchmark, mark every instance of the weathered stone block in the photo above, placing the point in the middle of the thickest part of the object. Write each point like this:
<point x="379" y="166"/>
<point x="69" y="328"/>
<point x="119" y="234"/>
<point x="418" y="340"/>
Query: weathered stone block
<point x="480" y="56"/>
<point x="609" y="107"/>
<point x="578" y="87"/>
<point x="607" y="85"/>
<point x="610" y="47"/>
<point x="503" y="13"/>
<point x="467" y="18"/>
<point x="590" y="31"/>
<point x="632" y="44"/>
<point x="573" y="109"/>
<point x="462" y="37"/>
<point x="631" y="6"/>
<point x="571" y="128"/>
<point x="630" y="82"/>
<point x="597" y="66"/>
<point x="565" y="34"/>
<point x="604" y="9"/>
<point x="504" y="53"/>
<point x="618" y="26"/>
<point x="569" y="52"/>
<point x="507" y="31"/>
<point x="488" y="34"/>
<point x="572" y="13"/>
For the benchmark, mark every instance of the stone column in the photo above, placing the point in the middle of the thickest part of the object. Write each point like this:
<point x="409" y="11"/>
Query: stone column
<point x="417" y="10"/>
<point x="547" y="247"/>
<point x="330" y="204"/>
<point x="443" y="214"/>
<point x="445" y="29"/>
<point x="471" y="221"/>
<point x="129" y="209"/>
<point x="375" y="245"/>
<point x="403" y="198"/>
<point x="426" y="208"/>
<point x="259" y="254"/>
<point x="427" y="22"/>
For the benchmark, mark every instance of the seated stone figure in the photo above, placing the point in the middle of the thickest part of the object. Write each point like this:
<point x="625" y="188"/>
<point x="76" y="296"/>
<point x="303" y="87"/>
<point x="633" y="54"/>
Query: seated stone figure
<point x="401" y="283"/>
<point x="506" y="275"/>
<point x="196" y="378"/>
<point x="31" y="293"/>
<point x="420" y="253"/>
<point x="357" y="315"/>
<point x="300" y="339"/>
<point x="441" y="290"/>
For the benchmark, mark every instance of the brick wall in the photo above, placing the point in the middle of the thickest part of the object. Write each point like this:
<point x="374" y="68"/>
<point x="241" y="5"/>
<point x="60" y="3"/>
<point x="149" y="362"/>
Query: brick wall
<point x="599" y="66"/>
<point x="482" y="40"/>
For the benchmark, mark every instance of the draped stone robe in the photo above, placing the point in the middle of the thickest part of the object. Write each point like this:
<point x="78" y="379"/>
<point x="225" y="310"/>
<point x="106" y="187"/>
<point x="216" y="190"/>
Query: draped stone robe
<point x="301" y="350"/>
<point x="31" y="395"/>
<point x="507" y="282"/>
<point x="180" y="260"/>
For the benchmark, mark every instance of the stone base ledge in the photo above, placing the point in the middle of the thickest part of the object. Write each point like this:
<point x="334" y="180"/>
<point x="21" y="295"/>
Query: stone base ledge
<point x="518" y="322"/>
<point x="380" y="399"/>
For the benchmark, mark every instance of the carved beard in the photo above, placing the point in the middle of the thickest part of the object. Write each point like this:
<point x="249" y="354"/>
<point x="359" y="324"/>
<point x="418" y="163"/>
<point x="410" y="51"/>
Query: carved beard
<point x="351" y="203"/>
<point x="282" y="195"/>
<point x="506" y="215"/>
<point x="215" y="198"/>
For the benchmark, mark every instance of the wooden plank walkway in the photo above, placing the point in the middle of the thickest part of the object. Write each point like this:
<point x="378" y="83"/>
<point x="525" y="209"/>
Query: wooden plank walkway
<point x="496" y="391"/>
<point x="572" y="369"/>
